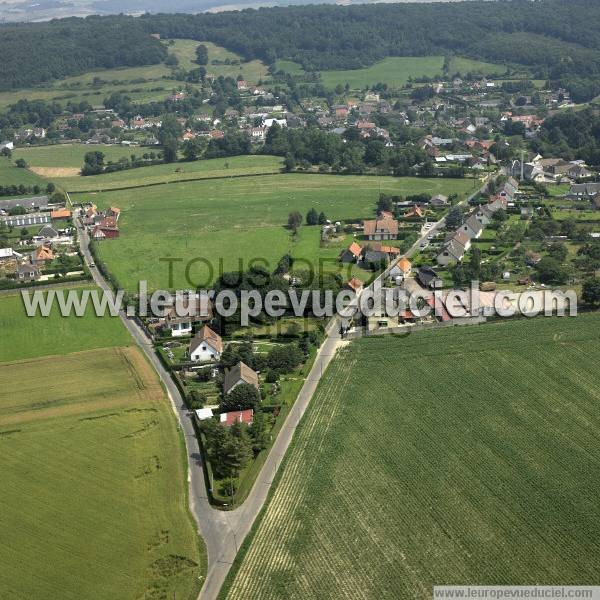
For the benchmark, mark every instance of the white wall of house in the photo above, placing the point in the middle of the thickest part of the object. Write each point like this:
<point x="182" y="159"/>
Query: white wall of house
<point x="179" y="329"/>
<point x="204" y="353"/>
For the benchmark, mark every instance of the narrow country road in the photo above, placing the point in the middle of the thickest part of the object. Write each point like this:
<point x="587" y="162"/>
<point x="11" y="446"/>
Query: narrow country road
<point x="223" y="532"/>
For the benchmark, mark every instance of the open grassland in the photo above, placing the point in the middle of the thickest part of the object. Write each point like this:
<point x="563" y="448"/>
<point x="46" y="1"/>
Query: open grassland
<point x="173" y="172"/>
<point x="70" y="156"/>
<point x="252" y="71"/>
<point x="25" y="337"/>
<point x="455" y="456"/>
<point x="395" y="71"/>
<point x="230" y="220"/>
<point x="463" y="66"/>
<point x="93" y="484"/>
<point x="13" y="175"/>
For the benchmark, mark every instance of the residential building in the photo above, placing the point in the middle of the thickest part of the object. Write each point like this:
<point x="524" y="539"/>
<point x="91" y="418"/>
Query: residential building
<point x="205" y="346"/>
<point x="237" y="375"/>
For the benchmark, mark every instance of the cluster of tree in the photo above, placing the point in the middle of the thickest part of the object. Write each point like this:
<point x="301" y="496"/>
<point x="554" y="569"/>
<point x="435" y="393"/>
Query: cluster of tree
<point x="94" y="162"/>
<point x="202" y="54"/>
<point x="572" y="135"/>
<point x="34" y="53"/>
<point x="475" y="270"/>
<point x="19" y="190"/>
<point x="234" y="143"/>
<point x="543" y="227"/>
<point x="309" y="146"/>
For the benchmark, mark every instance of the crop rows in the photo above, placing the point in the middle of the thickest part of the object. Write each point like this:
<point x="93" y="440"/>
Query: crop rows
<point x="457" y="456"/>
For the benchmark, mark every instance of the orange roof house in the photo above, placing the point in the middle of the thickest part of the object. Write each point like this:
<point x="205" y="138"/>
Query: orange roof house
<point x="42" y="253"/>
<point x="355" y="284"/>
<point x="381" y="229"/>
<point x="404" y="265"/>
<point x="62" y="213"/>
<point x="415" y="211"/>
<point x="352" y="253"/>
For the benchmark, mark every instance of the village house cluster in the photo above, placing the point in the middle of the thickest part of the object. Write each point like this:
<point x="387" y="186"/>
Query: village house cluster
<point x="39" y="242"/>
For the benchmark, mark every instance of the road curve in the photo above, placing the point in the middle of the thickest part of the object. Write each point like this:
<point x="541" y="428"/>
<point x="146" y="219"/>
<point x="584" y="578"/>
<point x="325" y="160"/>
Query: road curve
<point x="223" y="532"/>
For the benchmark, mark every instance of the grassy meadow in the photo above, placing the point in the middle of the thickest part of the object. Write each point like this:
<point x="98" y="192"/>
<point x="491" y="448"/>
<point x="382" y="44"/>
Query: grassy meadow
<point x="230" y="220"/>
<point x="93" y="495"/>
<point x="24" y="337"/>
<point x="13" y="175"/>
<point x="395" y="70"/>
<point x="453" y="456"/>
<point x="252" y="71"/>
<point x="173" y="172"/>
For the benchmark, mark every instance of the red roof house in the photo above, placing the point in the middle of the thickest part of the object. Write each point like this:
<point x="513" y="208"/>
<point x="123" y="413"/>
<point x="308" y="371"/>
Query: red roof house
<point x="237" y="416"/>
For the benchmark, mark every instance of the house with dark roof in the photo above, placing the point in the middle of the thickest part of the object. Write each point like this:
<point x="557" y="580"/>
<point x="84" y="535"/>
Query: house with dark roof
<point x="28" y="272"/>
<point x="428" y="278"/>
<point x="583" y="191"/>
<point x="237" y="375"/>
<point x="472" y="227"/>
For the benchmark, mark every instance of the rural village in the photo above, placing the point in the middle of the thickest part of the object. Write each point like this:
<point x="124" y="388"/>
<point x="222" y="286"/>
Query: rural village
<point x="207" y="169"/>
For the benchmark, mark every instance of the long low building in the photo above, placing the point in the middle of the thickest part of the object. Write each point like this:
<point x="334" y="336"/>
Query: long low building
<point x="26" y="220"/>
<point x="34" y="203"/>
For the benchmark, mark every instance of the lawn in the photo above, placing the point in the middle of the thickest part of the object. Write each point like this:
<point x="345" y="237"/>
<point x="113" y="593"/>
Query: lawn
<point x="455" y="456"/>
<point x="93" y="494"/>
<point x="395" y="71"/>
<point x="173" y="172"/>
<point x="69" y="155"/>
<point x="231" y="220"/>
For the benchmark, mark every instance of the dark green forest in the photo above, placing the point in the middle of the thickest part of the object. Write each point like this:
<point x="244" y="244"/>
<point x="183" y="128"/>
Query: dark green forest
<point x="33" y="53"/>
<point x="556" y="39"/>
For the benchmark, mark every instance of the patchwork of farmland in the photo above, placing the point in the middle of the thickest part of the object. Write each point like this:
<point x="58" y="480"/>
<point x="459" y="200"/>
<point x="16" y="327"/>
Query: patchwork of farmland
<point x="236" y="219"/>
<point x="93" y="490"/>
<point x="456" y="456"/>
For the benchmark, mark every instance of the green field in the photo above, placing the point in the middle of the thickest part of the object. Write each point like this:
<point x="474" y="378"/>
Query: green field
<point x="228" y="220"/>
<point x="395" y="71"/>
<point x="12" y="175"/>
<point x="24" y="337"/>
<point x="454" y="456"/>
<point x="93" y="493"/>
<point x="70" y="156"/>
<point x="252" y="71"/>
<point x="463" y="66"/>
<point x="173" y="172"/>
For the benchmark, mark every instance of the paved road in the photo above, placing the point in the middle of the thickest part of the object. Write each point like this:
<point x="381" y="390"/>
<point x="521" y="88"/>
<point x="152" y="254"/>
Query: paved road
<point x="223" y="532"/>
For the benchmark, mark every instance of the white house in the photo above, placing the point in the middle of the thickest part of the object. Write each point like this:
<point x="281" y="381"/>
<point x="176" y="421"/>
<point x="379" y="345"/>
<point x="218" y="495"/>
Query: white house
<point x="206" y="346"/>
